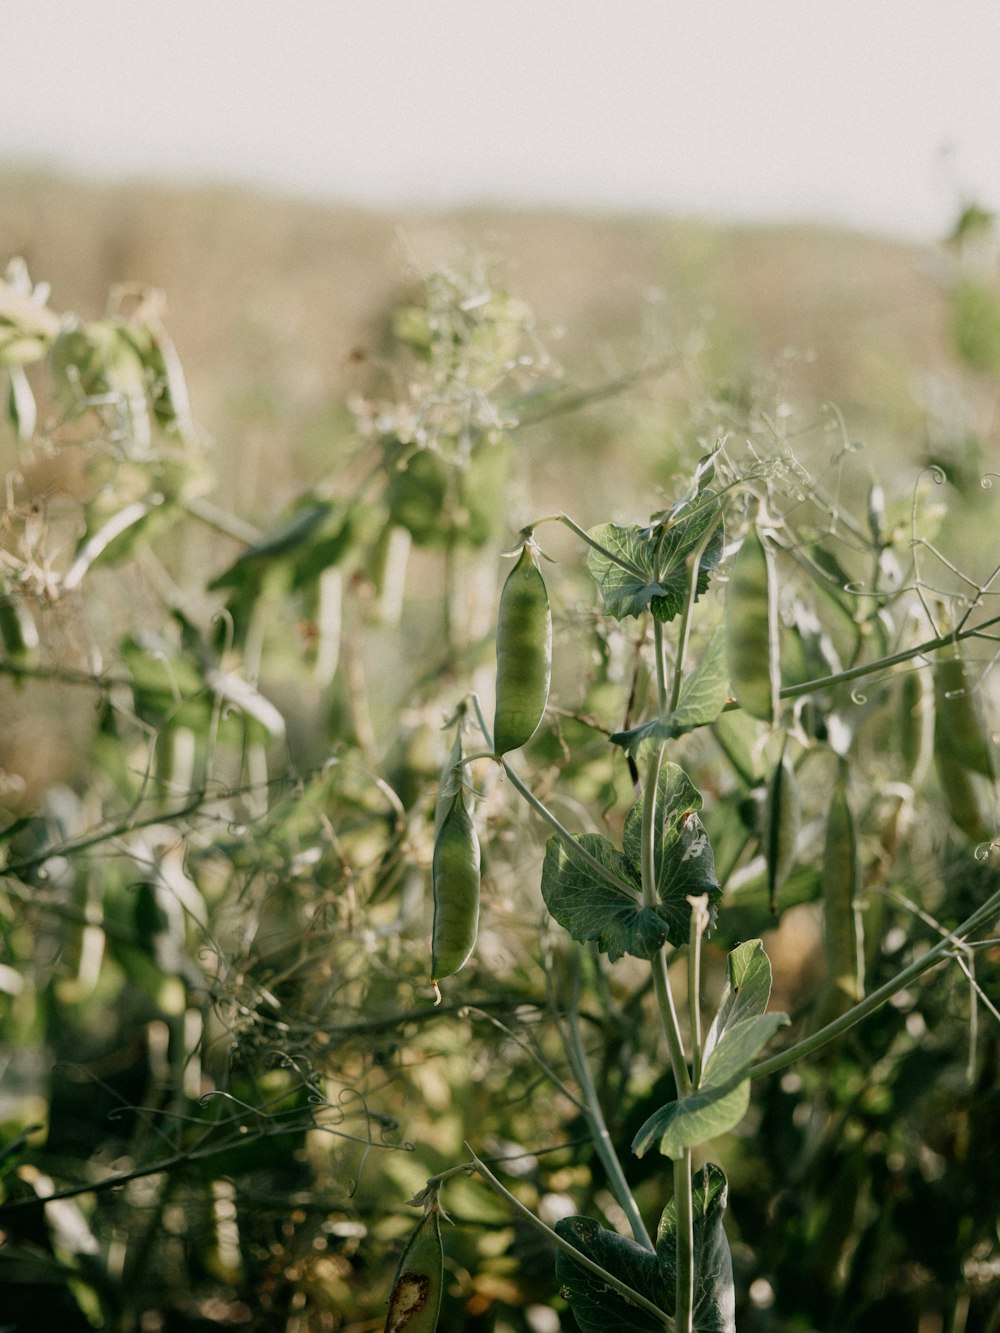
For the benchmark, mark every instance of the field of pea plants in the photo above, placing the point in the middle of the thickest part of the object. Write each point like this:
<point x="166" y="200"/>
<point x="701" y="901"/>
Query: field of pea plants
<point x="498" y="784"/>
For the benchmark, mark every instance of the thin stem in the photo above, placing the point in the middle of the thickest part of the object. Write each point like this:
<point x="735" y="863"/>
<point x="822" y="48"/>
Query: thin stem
<point x="661" y="982"/>
<point x="981" y="917"/>
<point x="882" y="663"/>
<point x="573" y="844"/>
<point x="601" y="1137"/>
<point x="578" y="1257"/>
<point x="669" y="1021"/>
<point x="684" y="1212"/>
<point x="661" y="667"/>
<point x="685" y="622"/>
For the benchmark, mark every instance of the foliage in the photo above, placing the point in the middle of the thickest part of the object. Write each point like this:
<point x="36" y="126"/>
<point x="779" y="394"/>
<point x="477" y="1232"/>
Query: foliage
<point x="226" y="1068"/>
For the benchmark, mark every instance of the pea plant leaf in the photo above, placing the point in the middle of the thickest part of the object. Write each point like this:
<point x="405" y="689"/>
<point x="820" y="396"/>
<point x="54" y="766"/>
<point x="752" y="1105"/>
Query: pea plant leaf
<point x="721" y="1099"/>
<point x="738" y="1031"/>
<point x="642" y="569"/>
<point x="607" y="907"/>
<point x="702" y="698"/>
<point x="682" y="854"/>
<point x="746" y="992"/>
<point x="595" y="892"/>
<point x="714" y="1292"/>
<point x="597" y="1307"/>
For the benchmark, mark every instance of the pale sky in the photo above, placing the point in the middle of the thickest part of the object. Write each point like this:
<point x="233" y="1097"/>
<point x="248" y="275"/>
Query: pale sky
<point x="880" y="114"/>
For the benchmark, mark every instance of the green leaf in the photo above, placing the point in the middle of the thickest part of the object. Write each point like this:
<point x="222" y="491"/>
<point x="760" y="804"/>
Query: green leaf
<point x="289" y="537"/>
<point x="746" y="992"/>
<point x="721" y="1100"/>
<point x="597" y="1307"/>
<point x="643" y="569"/>
<point x="714" y="1292"/>
<point x="606" y="908"/>
<point x="598" y="895"/>
<point x="682" y="854"/>
<point x="702" y="698"/>
<point x="738" y="1032"/>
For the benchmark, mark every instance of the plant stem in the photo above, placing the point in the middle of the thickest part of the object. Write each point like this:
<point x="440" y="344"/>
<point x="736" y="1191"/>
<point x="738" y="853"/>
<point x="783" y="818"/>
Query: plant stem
<point x="573" y="844"/>
<point x="578" y="1257"/>
<point x="602" y="1139"/>
<point x="684" y="1211"/>
<point x="685" y="624"/>
<point x="882" y="663"/>
<point x="981" y="917"/>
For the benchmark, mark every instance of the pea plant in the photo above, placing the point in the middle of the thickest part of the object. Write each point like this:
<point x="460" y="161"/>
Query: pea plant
<point x="771" y="684"/>
<point x="744" y="745"/>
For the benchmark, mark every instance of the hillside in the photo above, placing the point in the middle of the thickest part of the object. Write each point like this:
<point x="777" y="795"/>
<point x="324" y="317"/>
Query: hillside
<point x="279" y="308"/>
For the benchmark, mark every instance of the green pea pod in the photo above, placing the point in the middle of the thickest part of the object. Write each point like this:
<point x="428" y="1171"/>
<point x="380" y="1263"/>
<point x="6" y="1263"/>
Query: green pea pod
<point x="840" y="885"/>
<point x="455" y="875"/>
<point x="782" y="817"/>
<point x="752" y="629"/>
<point x="961" y="796"/>
<point x="415" y="1302"/>
<point x="524" y="655"/>
<point x="916" y="725"/>
<point x="959" y="728"/>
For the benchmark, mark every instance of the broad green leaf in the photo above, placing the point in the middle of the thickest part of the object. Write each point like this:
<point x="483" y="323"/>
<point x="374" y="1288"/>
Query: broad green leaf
<point x="599" y="896"/>
<point x="702" y="698"/>
<point x="644" y="569"/>
<point x="606" y="908"/>
<point x="714" y="1292"/>
<point x="721" y="1099"/>
<point x="746" y="992"/>
<point x="597" y="1307"/>
<point x="682" y="853"/>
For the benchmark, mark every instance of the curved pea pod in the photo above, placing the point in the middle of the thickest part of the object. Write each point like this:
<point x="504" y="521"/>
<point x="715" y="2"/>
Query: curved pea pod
<point x="752" y="629"/>
<point x="782" y="818"/>
<point x="455" y="876"/>
<point x="959" y="728"/>
<point x="524" y="655"/>
<point x="415" y="1302"/>
<point x="840" y="920"/>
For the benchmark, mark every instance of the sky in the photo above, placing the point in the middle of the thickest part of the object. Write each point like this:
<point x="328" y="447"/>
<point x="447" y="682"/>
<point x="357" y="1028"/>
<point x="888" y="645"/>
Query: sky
<point x="880" y="115"/>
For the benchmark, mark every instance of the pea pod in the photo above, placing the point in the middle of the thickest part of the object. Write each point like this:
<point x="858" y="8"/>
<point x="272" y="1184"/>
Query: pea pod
<point x="840" y="885"/>
<point x="916" y="729"/>
<point x="415" y="1302"/>
<point x="959" y="728"/>
<point x="752" y="629"/>
<point x="455" y="875"/>
<point x="781" y="826"/>
<point x="524" y="654"/>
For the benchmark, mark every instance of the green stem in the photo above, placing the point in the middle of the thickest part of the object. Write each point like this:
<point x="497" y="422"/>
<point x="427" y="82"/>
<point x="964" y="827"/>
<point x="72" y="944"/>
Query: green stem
<point x="685" y="623"/>
<point x="661" y="982"/>
<point x="578" y="1257"/>
<point x="684" y="1211"/>
<point x="618" y="560"/>
<point x="881" y="663"/>
<point x="671" y="1026"/>
<point x="981" y="917"/>
<point x="574" y="846"/>
<point x="601" y="1137"/>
